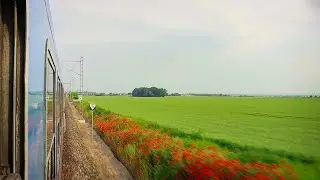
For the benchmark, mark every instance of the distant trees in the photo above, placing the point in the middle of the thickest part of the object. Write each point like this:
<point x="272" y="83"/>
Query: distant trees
<point x="175" y="94"/>
<point x="100" y="94"/>
<point x="197" y="94"/>
<point x="117" y="94"/>
<point x="149" y="92"/>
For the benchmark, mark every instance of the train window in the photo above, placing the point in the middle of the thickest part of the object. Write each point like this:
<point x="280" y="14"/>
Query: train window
<point x="50" y="79"/>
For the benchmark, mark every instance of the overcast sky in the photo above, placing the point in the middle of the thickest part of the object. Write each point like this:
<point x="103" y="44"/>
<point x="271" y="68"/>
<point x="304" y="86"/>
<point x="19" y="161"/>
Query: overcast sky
<point x="209" y="46"/>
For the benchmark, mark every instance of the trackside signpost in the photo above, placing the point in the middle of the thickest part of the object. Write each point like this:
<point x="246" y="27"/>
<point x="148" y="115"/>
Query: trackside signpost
<point x="92" y="107"/>
<point x="80" y="99"/>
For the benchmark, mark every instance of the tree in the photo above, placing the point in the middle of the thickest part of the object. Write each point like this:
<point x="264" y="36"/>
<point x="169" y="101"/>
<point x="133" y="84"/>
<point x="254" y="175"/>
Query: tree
<point x="149" y="92"/>
<point x="163" y="92"/>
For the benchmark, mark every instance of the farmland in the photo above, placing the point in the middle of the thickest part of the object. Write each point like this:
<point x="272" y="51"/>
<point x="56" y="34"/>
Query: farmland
<point x="286" y="124"/>
<point x="251" y="129"/>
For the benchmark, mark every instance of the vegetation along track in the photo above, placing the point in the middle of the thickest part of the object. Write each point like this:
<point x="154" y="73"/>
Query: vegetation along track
<point x="83" y="159"/>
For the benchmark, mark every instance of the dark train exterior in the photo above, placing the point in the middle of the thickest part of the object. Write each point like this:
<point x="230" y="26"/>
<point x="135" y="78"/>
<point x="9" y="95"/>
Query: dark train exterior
<point x="32" y="97"/>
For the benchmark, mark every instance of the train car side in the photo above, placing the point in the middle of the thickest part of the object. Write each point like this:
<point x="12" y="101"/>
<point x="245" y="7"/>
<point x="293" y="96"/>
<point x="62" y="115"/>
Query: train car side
<point x="45" y="85"/>
<point x="31" y="92"/>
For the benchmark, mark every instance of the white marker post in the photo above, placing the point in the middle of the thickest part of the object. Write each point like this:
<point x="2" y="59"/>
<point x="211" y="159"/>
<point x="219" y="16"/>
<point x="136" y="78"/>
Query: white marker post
<point x="80" y="99"/>
<point x="92" y="107"/>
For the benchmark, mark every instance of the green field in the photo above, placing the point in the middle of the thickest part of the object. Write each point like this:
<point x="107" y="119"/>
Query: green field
<point x="252" y="128"/>
<point x="290" y="124"/>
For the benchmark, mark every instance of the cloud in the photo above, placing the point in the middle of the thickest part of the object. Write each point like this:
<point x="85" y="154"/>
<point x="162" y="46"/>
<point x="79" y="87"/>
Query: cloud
<point x="238" y="43"/>
<point x="249" y="24"/>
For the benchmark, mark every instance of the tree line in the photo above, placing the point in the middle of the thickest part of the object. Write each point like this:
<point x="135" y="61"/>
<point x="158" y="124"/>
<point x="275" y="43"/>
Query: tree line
<point x="204" y="94"/>
<point x="149" y="92"/>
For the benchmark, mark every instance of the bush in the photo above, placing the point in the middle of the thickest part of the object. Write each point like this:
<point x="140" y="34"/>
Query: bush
<point x="74" y="95"/>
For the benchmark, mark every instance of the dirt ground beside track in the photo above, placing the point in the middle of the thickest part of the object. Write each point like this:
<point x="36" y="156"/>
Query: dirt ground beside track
<point x="86" y="159"/>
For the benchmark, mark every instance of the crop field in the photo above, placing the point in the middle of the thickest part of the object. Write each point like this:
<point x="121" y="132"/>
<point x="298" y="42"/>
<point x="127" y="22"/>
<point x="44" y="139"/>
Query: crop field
<point x="244" y="129"/>
<point x="289" y="124"/>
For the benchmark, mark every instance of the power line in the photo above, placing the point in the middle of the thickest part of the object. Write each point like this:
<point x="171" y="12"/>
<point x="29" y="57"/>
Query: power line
<point x="72" y="70"/>
<point x="81" y="77"/>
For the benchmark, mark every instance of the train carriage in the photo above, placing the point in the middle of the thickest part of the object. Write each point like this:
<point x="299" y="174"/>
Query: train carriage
<point x="31" y="93"/>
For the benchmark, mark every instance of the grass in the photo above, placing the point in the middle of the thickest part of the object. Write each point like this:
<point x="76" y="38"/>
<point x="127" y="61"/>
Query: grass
<point x="278" y="123"/>
<point x="264" y="129"/>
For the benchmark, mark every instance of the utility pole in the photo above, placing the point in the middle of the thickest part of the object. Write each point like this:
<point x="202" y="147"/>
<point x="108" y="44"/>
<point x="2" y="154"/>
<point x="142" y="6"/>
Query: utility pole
<point x="81" y="78"/>
<point x="70" y="90"/>
<point x="72" y="81"/>
<point x="81" y="83"/>
<point x="81" y="75"/>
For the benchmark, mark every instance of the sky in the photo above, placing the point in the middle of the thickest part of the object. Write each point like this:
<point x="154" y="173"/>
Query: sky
<point x="199" y="46"/>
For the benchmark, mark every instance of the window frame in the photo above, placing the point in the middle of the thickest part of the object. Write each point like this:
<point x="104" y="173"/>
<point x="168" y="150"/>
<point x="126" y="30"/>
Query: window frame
<point x="49" y="160"/>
